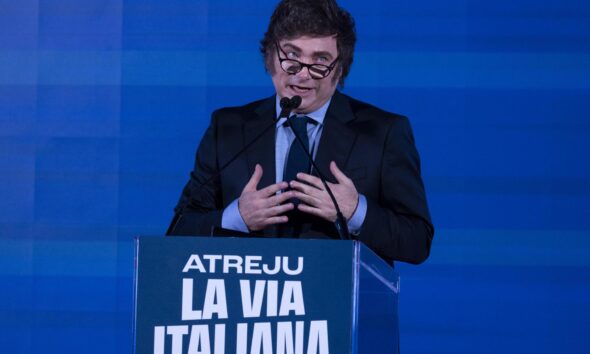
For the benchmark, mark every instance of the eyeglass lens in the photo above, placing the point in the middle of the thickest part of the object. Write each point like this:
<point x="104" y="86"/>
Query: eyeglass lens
<point x="316" y="71"/>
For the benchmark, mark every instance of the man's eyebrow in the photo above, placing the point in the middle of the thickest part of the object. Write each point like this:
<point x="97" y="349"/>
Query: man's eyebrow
<point x="317" y="54"/>
<point x="292" y="46"/>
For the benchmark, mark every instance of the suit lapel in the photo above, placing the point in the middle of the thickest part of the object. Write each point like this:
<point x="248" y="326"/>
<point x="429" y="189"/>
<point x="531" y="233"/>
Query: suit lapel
<point x="263" y="151"/>
<point x="337" y="137"/>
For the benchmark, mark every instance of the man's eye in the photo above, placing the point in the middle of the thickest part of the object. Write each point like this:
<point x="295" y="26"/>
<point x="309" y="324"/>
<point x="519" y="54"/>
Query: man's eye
<point x="322" y="59"/>
<point x="292" y="55"/>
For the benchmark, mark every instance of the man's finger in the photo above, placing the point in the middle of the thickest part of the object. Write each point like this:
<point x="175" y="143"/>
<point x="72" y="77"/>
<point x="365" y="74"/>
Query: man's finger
<point x="307" y="199"/>
<point x="311" y="180"/>
<point x="311" y="210"/>
<point x="273" y="189"/>
<point x="252" y="184"/>
<point x="339" y="175"/>
<point x="279" y="209"/>
<point x="280" y="198"/>
<point x="276" y="220"/>
<point x="302" y="187"/>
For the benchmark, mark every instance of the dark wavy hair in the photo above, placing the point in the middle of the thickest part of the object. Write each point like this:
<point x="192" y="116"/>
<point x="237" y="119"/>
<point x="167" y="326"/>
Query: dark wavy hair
<point x="313" y="18"/>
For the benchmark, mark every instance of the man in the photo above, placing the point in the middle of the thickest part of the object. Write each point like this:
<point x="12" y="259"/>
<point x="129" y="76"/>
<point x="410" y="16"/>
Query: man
<point x="270" y="189"/>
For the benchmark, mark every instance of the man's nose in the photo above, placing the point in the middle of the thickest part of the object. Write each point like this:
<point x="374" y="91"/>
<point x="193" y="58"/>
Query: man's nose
<point x="304" y="73"/>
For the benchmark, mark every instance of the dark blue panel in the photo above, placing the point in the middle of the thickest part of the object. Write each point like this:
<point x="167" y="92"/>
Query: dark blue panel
<point x="17" y="168"/>
<point x="17" y="110"/>
<point x="150" y="111"/>
<point x="78" y="111"/>
<point x="494" y="309"/>
<point x="76" y="181"/>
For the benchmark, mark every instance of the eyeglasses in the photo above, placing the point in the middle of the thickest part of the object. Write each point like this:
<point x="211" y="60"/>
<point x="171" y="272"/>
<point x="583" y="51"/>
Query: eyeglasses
<point x="292" y="66"/>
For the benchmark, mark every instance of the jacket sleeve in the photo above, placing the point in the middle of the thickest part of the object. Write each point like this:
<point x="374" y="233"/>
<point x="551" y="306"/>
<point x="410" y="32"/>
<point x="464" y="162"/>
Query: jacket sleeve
<point x="398" y="225"/>
<point x="200" y="205"/>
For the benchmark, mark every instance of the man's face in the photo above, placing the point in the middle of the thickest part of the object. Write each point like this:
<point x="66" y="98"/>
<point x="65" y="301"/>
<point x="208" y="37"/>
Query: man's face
<point x="308" y="50"/>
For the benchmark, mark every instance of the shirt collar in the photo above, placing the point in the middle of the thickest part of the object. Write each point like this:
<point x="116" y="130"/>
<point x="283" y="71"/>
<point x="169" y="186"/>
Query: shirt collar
<point x="317" y="115"/>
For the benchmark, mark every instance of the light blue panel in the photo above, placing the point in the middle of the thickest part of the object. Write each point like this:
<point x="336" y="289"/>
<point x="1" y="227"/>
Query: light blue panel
<point x="172" y="68"/>
<point x="84" y="67"/>
<point x="161" y="25"/>
<point x="472" y="70"/>
<point x="19" y="21"/>
<point x="80" y="25"/>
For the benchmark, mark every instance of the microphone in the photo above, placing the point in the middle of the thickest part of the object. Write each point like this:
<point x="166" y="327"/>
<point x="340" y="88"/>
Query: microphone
<point x="287" y="105"/>
<point x="340" y="223"/>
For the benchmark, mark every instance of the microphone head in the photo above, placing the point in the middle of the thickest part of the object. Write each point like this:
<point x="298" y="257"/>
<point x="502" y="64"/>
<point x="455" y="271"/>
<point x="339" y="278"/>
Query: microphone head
<point x="295" y="101"/>
<point x="285" y="102"/>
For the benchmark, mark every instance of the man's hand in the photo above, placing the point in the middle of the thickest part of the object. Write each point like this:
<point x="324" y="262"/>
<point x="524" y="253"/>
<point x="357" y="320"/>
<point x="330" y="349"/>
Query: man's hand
<point x="317" y="200"/>
<point x="261" y="208"/>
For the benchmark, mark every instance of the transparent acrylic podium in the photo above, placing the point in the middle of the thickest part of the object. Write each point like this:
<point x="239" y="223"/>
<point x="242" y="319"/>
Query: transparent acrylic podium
<point x="252" y="295"/>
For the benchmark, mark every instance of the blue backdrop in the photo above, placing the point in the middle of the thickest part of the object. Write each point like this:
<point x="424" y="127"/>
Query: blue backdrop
<point x="103" y="102"/>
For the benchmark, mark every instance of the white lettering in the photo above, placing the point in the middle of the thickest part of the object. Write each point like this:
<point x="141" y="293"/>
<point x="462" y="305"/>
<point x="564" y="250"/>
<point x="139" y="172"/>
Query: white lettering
<point x="285" y="343"/>
<point x="232" y="262"/>
<point x="253" y="265"/>
<point x="199" y="340"/>
<point x="292" y="299"/>
<point x="318" y="337"/>
<point x="188" y="313"/>
<point x="242" y="339"/>
<point x="159" y="339"/>
<point x="292" y="272"/>
<point x="219" y="345"/>
<point x="272" y="296"/>
<point x="261" y="338"/>
<point x="252" y="307"/>
<point x="194" y="262"/>
<point x="275" y="270"/>
<point x="212" y="259"/>
<point x="209" y="263"/>
<point x="215" y="300"/>
<point x="177" y="333"/>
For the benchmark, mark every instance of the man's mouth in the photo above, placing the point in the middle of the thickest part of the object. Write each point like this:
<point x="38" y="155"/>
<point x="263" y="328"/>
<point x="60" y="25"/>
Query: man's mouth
<point x="300" y="89"/>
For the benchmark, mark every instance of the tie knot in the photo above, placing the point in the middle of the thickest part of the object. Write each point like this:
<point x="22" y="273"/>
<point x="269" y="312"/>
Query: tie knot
<point x="299" y="123"/>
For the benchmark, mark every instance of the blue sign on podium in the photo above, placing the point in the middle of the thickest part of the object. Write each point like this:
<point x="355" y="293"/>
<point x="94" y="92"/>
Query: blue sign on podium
<point x="199" y="295"/>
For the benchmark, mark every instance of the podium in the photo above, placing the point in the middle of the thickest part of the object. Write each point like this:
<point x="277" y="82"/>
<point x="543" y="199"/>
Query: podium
<point x="217" y="295"/>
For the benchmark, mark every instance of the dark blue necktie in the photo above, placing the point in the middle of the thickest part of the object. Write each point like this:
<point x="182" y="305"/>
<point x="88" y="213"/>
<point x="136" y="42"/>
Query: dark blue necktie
<point x="297" y="160"/>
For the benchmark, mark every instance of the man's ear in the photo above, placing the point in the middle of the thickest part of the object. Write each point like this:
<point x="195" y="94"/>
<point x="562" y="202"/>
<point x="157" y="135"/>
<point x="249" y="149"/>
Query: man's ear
<point x="269" y="61"/>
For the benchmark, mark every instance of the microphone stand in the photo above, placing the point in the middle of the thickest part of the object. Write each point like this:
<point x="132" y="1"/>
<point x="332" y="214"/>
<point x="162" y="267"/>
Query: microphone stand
<point x="340" y="223"/>
<point x="286" y="108"/>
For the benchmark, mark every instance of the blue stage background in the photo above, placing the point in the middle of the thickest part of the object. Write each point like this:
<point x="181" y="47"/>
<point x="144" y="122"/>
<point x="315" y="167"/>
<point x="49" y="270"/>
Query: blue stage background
<point x="103" y="102"/>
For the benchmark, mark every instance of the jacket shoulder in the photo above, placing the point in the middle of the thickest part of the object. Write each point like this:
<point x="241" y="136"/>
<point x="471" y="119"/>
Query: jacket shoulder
<point x="369" y="115"/>
<point x="366" y="110"/>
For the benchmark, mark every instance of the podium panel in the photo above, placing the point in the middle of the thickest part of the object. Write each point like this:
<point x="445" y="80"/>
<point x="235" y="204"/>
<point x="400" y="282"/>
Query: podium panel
<point x="251" y="295"/>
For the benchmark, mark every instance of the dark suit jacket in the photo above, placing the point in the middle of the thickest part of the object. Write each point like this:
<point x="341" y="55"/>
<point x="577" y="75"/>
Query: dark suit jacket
<point x="373" y="147"/>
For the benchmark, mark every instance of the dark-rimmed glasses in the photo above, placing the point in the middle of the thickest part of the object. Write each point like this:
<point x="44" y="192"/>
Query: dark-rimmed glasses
<point x="292" y="66"/>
